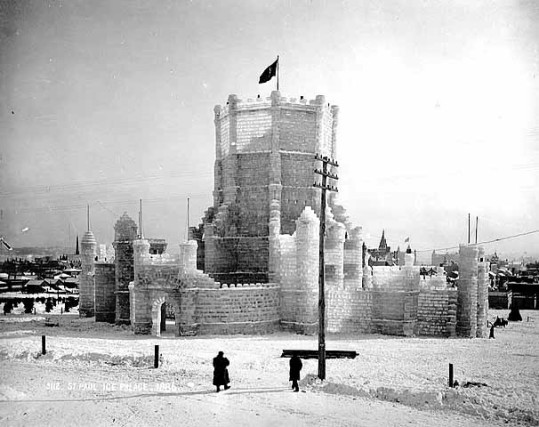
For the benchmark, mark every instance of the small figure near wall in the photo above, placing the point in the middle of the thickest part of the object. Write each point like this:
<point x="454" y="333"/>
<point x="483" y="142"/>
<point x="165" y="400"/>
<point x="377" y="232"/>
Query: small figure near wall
<point x="295" y="368"/>
<point x="220" y="372"/>
<point x="492" y="331"/>
<point x="514" y="315"/>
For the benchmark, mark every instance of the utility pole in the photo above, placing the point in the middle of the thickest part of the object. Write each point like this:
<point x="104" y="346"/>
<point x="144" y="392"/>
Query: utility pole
<point x="476" y="226"/>
<point x="321" y="279"/>
<point x="469" y="228"/>
<point x="187" y="237"/>
<point x="140" y="220"/>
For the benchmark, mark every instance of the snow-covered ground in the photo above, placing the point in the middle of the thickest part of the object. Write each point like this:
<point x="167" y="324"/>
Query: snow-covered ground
<point x="99" y="374"/>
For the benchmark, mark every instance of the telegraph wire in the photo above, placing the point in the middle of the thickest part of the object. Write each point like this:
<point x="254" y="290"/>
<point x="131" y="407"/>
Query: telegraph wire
<point x="110" y="210"/>
<point x="485" y="242"/>
<point x="508" y="237"/>
<point x="78" y="185"/>
<point x="82" y="205"/>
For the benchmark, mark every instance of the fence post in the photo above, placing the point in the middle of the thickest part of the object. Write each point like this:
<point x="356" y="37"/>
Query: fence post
<point x="451" y="383"/>
<point x="156" y="357"/>
<point x="43" y="345"/>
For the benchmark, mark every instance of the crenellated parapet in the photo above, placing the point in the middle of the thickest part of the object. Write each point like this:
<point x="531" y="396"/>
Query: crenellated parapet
<point x="235" y="104"/>
<point x="249" y="285"/>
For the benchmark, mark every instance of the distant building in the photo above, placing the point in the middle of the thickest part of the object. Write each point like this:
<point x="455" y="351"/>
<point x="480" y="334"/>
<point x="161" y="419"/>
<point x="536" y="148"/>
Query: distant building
<point x="444" y="260"/>
<point x="399" y="257"/>
<point x="516" y="267"/>
<point x="102" y="252"/>
<point x="157" y="246"/>
<point x="381" y="256"/>
<point x="110" y="253"/>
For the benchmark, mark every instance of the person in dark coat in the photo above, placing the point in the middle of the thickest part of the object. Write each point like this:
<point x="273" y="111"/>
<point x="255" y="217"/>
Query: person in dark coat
<point x="492" y="332"/>
<point x="220" y="372"/>
<point x="514" y="315"/>
<point x="295" y="368"/>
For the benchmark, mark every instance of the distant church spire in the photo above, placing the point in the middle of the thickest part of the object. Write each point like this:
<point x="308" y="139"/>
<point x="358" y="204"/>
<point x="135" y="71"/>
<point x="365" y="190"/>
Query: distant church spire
<point x="77" y="252"/>
<point x="383" y="243"/>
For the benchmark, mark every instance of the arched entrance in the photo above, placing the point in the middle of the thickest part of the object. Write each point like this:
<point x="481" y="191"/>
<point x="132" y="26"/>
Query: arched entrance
<point x="164" y="313"/>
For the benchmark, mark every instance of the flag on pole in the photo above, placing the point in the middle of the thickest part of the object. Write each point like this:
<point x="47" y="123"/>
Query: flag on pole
<point x="269" y="72"/>
<point x="406" y="240"/>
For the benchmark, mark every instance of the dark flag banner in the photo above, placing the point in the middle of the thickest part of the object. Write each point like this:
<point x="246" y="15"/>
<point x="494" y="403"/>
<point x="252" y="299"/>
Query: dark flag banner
<point x="269" y="72"/>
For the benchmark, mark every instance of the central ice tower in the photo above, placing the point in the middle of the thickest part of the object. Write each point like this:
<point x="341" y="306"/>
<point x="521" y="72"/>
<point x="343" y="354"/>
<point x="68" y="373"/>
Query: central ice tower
<point x="264" y="165"/>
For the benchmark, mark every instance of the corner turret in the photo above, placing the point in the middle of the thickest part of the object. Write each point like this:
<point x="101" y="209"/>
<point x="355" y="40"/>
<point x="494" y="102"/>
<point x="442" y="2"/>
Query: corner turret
<point x="87" y="284"/>
<point x="125" y="232"/>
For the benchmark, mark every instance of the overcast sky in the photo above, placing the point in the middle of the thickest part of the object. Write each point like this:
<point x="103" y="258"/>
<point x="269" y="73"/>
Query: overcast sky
<point x="106" y="102"/>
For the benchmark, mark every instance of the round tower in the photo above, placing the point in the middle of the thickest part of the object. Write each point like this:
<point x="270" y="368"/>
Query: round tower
<point x="307" y="265"/>
<point x="367" y="269"/>
<point x="353" y="259"/>
<point x="482" y="294"/>
<point x="125" y="232"/>
<point x="274" y="246"/>
<point x="307" y="254"/>
<point x="334" y="254"/>
<point x="188" y="257"/>
<point x="141" y="316"/>
<point x="467" y="292"/>
<point x="87" y="284"/>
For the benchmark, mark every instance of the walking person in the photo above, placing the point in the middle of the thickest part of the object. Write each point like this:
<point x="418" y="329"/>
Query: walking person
<point x="220" y="372"/>
<point x="295" y="368"/>
<point x="492" y="332"/>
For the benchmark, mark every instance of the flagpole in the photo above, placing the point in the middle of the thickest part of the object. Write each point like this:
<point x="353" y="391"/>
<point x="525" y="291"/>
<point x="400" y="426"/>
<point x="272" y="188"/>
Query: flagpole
<point x="277" y="72"/>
